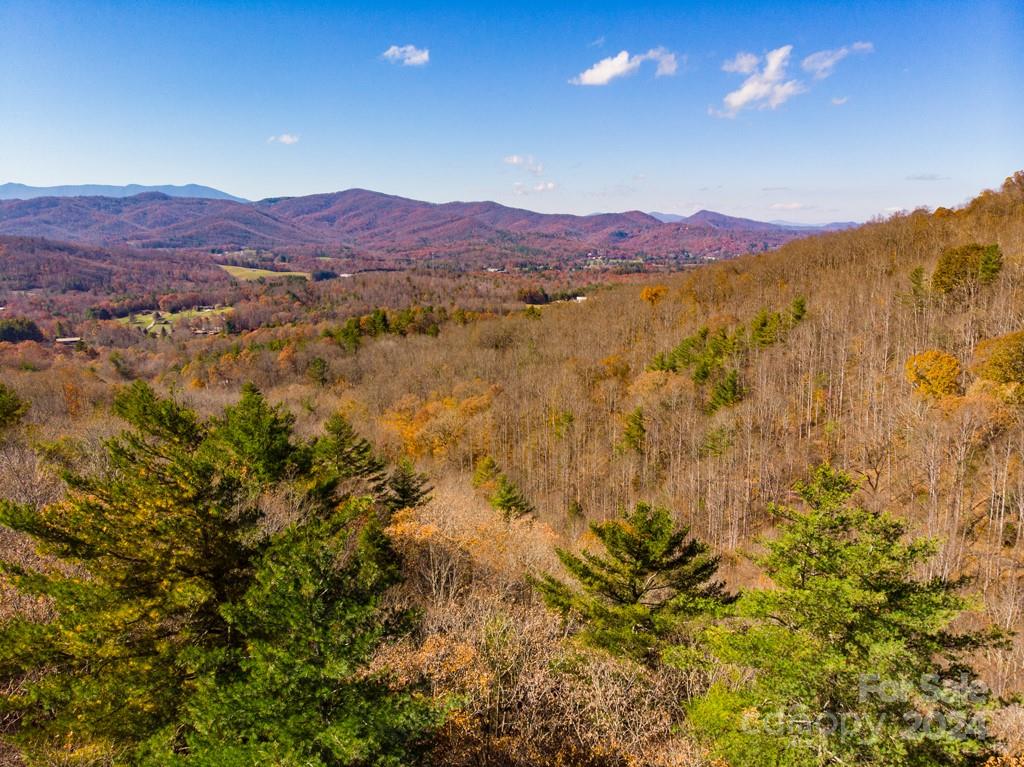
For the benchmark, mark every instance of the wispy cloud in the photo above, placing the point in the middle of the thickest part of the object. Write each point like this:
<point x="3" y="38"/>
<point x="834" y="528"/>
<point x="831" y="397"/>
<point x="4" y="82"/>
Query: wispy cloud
<point x="541" y="186"/>
<point x="407" y="55"/>
<point x="789" y="206"/>
<point x="527" y="162"/>
<point x="742" y="63"/>
<point x="596" y="42"/>
<point x="838" y="101"/>
<point x="533" y="166"/>
<point x="285" y="138"/>
<point x="927" y="177"/>
<point x="822" y="63"/>
<point x="622" y="64"/>
<point x="766" y="87"/>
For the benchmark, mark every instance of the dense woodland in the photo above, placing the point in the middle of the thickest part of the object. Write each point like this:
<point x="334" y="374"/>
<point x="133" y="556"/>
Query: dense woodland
<point x="411" y="519"/>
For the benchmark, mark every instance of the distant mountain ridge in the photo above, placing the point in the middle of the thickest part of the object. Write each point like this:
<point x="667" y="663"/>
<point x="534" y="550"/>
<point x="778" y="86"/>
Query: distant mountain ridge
<point x="12" y="191"/>
<point x="831" y="226"/>
<point x="721" y="220"/>
<point x="382" y="226"/>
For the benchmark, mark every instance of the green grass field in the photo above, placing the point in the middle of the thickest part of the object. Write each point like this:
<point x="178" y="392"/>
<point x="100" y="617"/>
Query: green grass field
<point x="144" y="319"/>
<point x="250" y="274"/>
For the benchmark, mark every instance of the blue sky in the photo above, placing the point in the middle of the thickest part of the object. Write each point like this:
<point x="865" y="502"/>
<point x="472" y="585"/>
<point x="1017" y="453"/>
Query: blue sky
<point x="838" y="110"/>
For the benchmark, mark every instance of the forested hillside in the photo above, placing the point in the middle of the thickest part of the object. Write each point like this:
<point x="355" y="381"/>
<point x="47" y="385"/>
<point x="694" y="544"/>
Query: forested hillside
<point x="671" y="524"/>
<point x="386" y="228"/>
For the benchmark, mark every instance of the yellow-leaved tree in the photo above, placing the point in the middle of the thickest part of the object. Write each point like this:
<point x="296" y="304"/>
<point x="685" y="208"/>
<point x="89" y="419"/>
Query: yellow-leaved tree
<point x="934" y="374"/>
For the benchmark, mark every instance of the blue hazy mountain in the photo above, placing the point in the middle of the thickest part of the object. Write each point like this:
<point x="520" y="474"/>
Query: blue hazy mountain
<point x="13" y="191"/>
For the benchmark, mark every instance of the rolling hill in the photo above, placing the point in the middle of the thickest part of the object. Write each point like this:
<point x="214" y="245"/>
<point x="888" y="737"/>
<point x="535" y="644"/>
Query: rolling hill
<point x="381" y="225"/>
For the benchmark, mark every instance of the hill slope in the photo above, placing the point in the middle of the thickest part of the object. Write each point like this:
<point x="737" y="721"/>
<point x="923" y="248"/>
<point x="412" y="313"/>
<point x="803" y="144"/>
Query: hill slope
<point x="377" y="224"/>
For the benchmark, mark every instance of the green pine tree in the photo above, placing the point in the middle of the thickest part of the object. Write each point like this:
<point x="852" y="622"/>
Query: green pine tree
<point x="797" y="310"/>
<point x="407" y="488"/>
<point x="171" y="597"/>
<point x="726" y="392"/>
<point x="319" y="371"/>
<point x="636" y="596"/>
<point x="348" y="461"/>
<point x="509" y="500"/>
<point x="635" y="433"/>
<point x="990" y="264"/>
<point x="839" y="663"/>
<point x="256" y="437"/>
<point x="291" y="690"/>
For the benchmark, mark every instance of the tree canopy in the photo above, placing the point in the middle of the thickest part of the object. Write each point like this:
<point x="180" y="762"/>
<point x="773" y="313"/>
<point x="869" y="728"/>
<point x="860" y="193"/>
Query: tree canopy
<point x="188" y="628"/>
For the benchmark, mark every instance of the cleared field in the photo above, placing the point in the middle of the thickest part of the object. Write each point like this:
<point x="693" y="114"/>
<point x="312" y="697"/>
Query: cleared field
<point x="145" y="320"/>
<point x="251" y="274"/>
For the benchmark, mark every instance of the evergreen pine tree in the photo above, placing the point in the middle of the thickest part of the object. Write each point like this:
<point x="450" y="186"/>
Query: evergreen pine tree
<point x="184" y="630"/>
<point x="990" y="264"/>
<point x="726" y="392"/>
<point x="844" y="656"/>
<point x="347" y="463"/>
<point x="290" y="692"/>
<point x="633" y="598"/>
<point x="407" y="488"/>
<point x="509" y="500"/>
<point x="635" y="432"/>
<point x="256" y="437"/>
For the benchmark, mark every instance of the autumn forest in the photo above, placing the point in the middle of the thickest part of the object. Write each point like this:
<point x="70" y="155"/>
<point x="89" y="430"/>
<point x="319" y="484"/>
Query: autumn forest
<point x="762" y="510"/>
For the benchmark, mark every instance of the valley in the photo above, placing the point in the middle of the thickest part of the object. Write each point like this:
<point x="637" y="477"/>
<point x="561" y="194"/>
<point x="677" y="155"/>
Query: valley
<point x="889" y="351"/>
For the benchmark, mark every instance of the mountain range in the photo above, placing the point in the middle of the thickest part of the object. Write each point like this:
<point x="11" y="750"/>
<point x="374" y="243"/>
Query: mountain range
<point x="381" y="225"/>
<point x="11" y="191"/>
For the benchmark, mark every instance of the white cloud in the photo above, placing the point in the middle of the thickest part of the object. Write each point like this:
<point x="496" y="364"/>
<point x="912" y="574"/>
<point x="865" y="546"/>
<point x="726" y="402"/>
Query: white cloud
<point x="596" y="43"/>
<point x="667" y="63"/>
<point x="838" y="101"/>
<point x="527" y="162"/>
<point x="742" y="63"/>
<point x="789" y="206"/>
<point x="285" y="138"/>
<point x="541" y="186"/>
<point x="766" y="88"/>
<point x="407" y="55"/>
<point x="822" y="63"/>
<point x="606" y="70"/>
<point x="530" y="164"/>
